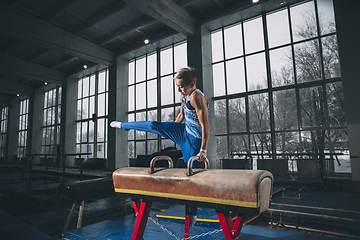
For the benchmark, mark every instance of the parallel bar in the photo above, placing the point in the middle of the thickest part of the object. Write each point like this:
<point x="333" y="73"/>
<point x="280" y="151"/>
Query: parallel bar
<point x="315" y="215"/>
<point x="316" y="208"/>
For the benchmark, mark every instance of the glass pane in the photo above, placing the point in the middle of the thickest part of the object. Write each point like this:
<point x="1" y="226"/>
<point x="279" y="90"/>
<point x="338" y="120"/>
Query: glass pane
<point x="152" y="115"/>
<point x="131" y="150"/>
<point x="166" y="90"/>
<point x="217" y="46"/>
<point x="84" y="132"/>
<point x="79" y="89"/>
<point x="151" y="66"/>
<point x="102" y="84"/>
<point x="256" y="72"/>
<point x="331" y="57"/>
<point x="140" y="148"/>
<point x="326" y="16"/>
<point x="233" y="41"/>
<point x="254" y="36"/>
<point x="100" y="150"/>
<point x="237" y="115"/>
<point x="285" y="110"/>
<point x="287" y="143"/>
<point x="79" y="110"/>
<point x="92" y="85"/>
<point x="101" y="105"/>
<point x="152" y="93"/>
<point x="78" y="132"/>
<point x="281" y="63"/>
<point x="59" y="95"/>
<point x="167" y="114"/>
<point x="260" y="144"/>
<point x="86" y="87"/>
<point x="307" y="61"/>
<point x="313" y="142"/>
<point x="336" y="106"/>
<point x="92" y="106"/>
<point x="235" y="76"/>
<point x="259" y="116"/>
<point x="85" y="108"/>
<point x="166" y="60"/>
<point x="221" y="147"/>
<point x="239" y="145"/>
<point x="58" y="135"/>
<point x="338" y="143"/>
<point x="59" y="114"/>
<point x="152" y="146"/>
<point x="177" y="94"/>
<point x="180" y="57"/>
<point x="303" y="21"/>
<point x="219" y="79"/>
<point x="140" y="69"/>
<point x="100" y="130"/>
<point x="131" y="133"/>
<point x="220" y="116"/>
<point x="140" y="117"/>
<point x="131" y="72"/>
<point x="312" y="107"/>
<point x="278" y="28"/>
<point x="165" y="143"/>
<point x="91" y="131"/>
<point x="131" y="105"/>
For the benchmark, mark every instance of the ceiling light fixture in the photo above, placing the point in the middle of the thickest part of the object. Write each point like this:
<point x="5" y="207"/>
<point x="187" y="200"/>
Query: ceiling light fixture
<point x="255" y="1"/>
<point x="146" y="41"/>
<point x="85" y="66"/>
<point x="45" y="83"/>
<point x="18" y="95"/>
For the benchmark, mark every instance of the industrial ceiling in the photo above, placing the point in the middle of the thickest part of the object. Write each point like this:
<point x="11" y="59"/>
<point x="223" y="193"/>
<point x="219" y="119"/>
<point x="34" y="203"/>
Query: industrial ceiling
<point x="47" y="41"/>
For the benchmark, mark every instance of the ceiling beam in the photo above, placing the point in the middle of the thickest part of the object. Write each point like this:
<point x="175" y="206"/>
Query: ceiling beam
<point x="126" y="30"/>
<point x="66" y="4"/>
<point x="11" y="87"/>
<point x="117" y="7"/>
<point x="167" y="12"/>
<point x="17" y="66"/>
<point x="19" y="25"/>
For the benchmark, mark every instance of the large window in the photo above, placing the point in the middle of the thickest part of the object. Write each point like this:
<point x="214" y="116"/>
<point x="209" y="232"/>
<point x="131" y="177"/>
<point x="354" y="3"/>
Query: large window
<point x="153" y="96"/>
<point x="92" y="114"/>
<point x="3" y="129"/>
<point x="277" y="86"/>
<point x="23" y="128"/>
<point x="52" y="120"/>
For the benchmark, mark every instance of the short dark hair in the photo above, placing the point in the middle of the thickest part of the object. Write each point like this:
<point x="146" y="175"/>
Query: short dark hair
<point x="187" y="75"/>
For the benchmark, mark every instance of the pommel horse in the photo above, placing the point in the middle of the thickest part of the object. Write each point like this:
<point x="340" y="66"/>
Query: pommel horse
<point x="225" y="190"/>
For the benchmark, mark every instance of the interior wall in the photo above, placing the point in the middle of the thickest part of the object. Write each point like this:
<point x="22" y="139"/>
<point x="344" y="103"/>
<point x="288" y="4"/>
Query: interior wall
<point x="348" y="25"/>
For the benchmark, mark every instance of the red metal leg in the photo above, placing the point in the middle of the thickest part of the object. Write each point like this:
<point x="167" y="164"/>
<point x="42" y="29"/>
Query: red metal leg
<point x="143" y="210"/>
<point x="136" y="204"/>
<point x="230" y="230"/>
<point x="187" y="222"/>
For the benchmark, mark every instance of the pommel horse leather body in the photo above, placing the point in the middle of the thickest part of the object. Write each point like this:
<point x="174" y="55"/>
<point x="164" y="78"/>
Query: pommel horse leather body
<point x="244" y="191"/>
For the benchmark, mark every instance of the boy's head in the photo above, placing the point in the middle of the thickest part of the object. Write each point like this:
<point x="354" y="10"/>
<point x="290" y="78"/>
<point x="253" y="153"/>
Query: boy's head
<point x="187" y="75"/>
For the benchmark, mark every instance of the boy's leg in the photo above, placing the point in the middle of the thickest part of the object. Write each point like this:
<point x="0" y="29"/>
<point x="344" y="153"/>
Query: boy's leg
<point x="171" y="130"/>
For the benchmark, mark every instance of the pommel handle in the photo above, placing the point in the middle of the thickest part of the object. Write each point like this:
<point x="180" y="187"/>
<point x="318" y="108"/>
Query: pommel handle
<point x="152" y="162"/>
<point x="190" y="162"/>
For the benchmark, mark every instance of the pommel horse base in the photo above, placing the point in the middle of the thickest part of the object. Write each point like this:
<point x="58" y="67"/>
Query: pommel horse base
<point x="225" y="190"/>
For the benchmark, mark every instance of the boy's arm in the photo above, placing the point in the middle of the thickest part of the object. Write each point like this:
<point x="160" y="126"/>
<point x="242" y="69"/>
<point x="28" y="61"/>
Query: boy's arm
<point x="180" y="116"/>
<point x="200" y="104"/>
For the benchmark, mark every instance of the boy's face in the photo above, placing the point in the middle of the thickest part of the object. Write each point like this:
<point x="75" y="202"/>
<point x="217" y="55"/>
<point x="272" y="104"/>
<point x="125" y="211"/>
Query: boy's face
<point x="182" y="88"/>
